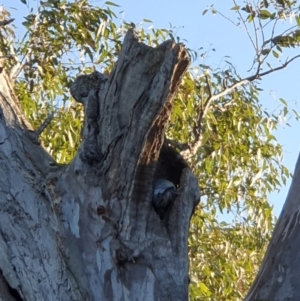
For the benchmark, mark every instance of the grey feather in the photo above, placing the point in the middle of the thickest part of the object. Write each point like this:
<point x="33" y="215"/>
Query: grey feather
<point x="164" y="193"/>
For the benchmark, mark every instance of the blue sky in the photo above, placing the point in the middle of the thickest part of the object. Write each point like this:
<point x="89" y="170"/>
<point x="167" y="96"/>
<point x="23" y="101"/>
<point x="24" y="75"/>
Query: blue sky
<point x="228" y="40"/>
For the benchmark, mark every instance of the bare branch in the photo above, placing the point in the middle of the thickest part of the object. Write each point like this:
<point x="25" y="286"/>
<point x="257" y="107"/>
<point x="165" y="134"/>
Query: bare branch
<point x="226" y="18"/>
<point x="275" y="69"/>
<point x="273" y="29"/>
<point x="249" y="79"/>
<point x="44" y="124"/>
<point x="224" y="107"/>
<point x="193" y="148"/>
<point x="256" y="36"/>
<point x="246" y="28"/>
<point x="34" y="135"/>
<point x="287" y="32"/>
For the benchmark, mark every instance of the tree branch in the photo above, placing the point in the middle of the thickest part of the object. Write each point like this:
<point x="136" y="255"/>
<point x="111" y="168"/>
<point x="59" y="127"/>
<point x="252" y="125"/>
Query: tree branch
<point x="192" y="149"/>
<point x="246" y="28"/>
<point x="6" y="22"/>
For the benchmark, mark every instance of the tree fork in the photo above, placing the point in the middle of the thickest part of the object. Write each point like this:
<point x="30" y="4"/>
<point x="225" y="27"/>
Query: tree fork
<point x="87" y="231"/>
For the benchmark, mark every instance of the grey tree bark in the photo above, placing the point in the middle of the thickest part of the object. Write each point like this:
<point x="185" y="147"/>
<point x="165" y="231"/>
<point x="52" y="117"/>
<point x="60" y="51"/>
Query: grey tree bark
<point x="279" y="275"/>
<point x="88" y="231"/>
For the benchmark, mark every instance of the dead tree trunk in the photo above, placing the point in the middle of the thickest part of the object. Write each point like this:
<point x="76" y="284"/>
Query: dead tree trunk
<point x="88" y="231"/>
<point x="279" y="275"/>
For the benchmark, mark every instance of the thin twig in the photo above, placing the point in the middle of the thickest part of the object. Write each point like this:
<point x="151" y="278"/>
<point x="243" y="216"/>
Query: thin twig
<point x="250" y="79"/>
<point x="226" y="18"/>
<point x="44" y="124"/>
<point x="256" y="37"/>
<point x="246" y="28"/>
<point x="188" y="153"/>
<point x="262" y="37"/>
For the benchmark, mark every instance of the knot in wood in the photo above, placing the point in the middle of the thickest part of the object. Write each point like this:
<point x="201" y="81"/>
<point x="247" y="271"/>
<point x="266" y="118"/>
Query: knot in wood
<point x="83" y="84"/>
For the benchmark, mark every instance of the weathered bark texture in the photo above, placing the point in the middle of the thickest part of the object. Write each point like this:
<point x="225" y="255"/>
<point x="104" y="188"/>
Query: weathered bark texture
<point x="88" y="231"/>
<point x="279" y="275"/>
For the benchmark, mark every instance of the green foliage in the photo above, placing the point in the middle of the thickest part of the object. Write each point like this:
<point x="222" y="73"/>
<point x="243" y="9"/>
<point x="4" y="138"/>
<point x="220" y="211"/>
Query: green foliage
<point x="224" y="264"/>
<point x="63" y="38"/>
<point x="265" y="34"/>
<point x="238" y="164"/>
<point x="235" y="155"/>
